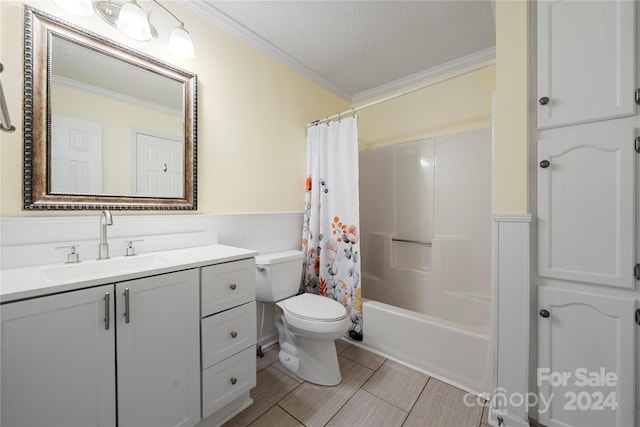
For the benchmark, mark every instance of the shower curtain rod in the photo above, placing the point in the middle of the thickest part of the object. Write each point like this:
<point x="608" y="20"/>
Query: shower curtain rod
<point x="406" y="92"/>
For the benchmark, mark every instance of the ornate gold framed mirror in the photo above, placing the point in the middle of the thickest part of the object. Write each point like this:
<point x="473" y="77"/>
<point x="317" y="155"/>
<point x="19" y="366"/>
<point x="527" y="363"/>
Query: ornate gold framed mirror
<point x="105" y="126"/>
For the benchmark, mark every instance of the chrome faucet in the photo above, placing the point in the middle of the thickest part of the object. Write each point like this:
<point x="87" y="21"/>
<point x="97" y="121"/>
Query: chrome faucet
<point x="103" y="247"/>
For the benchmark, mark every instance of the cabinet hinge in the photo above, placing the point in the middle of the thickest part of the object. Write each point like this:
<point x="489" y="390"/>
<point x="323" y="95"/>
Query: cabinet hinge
<point x="638" y="316"/>
<point x="636" y="271"/>
<point x="637" y="96"/>
<point x="638" y="144"/>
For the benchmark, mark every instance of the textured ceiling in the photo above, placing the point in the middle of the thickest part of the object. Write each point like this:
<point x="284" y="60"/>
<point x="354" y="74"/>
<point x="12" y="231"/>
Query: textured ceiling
<point x="356" y="48"/>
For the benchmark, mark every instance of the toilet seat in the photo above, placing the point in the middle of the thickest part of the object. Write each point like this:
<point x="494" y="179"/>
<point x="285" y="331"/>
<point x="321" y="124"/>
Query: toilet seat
<point x="314" y="308"/>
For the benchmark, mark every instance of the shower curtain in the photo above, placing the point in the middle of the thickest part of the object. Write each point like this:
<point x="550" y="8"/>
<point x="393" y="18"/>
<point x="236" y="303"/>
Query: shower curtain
<point x="331" y="227"/>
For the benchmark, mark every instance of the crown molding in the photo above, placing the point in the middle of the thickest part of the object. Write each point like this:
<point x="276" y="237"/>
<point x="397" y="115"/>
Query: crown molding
<point x="241" y="32"/>
<point x="117" y="96"/>
<point x="229" y="25"/>
<point x="457" y="64"/>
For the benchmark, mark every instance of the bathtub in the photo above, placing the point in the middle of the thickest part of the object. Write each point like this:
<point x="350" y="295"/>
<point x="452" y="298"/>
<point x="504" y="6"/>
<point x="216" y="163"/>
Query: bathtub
<point x="433" y="316"/>
<point x="456" y="353"/>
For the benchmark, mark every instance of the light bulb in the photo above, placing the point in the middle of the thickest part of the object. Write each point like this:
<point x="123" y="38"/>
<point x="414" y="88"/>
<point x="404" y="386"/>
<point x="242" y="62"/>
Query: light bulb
<point x="180" y="43"/>
<point x="76" y="7"/>
<point x="133" y="23"/>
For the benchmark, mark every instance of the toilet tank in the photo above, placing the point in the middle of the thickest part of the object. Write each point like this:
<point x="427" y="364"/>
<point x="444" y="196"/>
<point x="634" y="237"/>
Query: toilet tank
<point x="278" y="275"/>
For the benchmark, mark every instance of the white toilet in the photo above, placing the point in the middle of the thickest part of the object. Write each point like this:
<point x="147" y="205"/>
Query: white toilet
<point x="307" y="324"/>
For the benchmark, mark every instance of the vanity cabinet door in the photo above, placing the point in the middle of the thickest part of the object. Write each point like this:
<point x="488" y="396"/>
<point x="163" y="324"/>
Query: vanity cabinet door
<point x="158" y="350"/>
<point x="58" y="360"/>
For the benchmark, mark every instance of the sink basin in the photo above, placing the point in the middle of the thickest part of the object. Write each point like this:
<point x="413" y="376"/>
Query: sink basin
<point x="112" y="266"/>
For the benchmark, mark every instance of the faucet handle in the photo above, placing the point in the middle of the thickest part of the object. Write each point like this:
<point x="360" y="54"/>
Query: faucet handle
<point x="131" y="250"/>
<point x="72" y="256"/>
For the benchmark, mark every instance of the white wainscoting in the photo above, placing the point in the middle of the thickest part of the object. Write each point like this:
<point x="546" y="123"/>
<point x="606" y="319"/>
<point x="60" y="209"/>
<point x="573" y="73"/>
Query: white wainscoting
<point x="27" y="241"/>
<point x="511" y="319"/>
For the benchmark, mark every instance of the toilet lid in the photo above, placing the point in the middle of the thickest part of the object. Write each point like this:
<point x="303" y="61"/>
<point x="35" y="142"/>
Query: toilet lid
<point x="315" y="307"/>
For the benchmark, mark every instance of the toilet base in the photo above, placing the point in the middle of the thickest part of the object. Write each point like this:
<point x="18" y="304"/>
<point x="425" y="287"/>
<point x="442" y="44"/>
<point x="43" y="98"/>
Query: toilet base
<point x="316" y="362"/>
<point x="312" y="359"/>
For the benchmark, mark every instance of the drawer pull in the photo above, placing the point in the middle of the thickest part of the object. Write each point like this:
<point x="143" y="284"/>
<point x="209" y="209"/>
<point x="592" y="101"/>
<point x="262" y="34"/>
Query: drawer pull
<point x="233" y="286"/>
<point x="234" y="334"/>
<point x="233" y="381"/>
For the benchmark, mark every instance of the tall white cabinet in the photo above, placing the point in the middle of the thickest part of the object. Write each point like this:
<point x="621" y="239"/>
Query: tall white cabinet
<point x="587" y="205"/>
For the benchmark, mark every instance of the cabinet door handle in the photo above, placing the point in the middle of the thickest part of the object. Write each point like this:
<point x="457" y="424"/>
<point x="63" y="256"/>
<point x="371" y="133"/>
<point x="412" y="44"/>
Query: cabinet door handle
<point x="544" y="100"/>
<point x="545" y="164"/>
<point x="233" y="381"/>
<point x="233" y="286"/>
<point x="127" y="308"/>
<point x="545" y="313"/>
<point x="107" y="311"/>
<point x="234" y="334"/>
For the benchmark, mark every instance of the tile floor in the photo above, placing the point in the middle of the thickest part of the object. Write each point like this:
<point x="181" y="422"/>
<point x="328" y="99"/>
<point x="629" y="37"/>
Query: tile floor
<point x="375" y="392"/>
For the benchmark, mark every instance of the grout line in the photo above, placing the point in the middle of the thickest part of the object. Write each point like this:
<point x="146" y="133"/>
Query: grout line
<point x="290" y="414"/>
<point x="416" y="402"/>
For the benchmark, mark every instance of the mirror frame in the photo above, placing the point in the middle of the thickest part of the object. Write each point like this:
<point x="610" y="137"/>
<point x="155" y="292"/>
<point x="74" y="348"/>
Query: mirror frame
<point x="38" y="30"/>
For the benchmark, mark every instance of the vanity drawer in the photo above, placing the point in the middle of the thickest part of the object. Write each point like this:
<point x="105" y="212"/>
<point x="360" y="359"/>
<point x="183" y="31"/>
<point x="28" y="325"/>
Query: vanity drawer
<point x="227" y="333"/>
<point x="228" y="380"/>
<point x="227" y="285"/>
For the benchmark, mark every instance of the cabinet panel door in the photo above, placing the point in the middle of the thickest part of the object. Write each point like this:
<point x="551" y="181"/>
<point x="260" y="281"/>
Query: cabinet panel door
<point x="586" y="351"/>
<point x="58" y="360"/>
<point x="158" y="350"/>
<point x="586" y="207"/>
<point x="586" y="52"/>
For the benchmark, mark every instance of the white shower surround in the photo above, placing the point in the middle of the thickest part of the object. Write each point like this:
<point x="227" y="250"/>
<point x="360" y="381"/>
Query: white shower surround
<point x="428" y="303"/>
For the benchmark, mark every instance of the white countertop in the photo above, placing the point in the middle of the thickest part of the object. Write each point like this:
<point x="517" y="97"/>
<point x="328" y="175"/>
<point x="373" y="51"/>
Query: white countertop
<point x="29" y="282"/>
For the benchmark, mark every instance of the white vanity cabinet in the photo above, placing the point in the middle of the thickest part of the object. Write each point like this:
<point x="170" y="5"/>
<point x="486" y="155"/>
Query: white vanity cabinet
<point x="58" y="360"/>
<point x="228" y="329"/>
<point x="586" y="54"/>
<point x="60" y="352"/>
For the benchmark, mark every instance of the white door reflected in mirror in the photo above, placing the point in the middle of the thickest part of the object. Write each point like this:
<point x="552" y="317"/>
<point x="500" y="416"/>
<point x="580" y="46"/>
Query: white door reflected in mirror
<point x="76" y="156"/>
<point x="158" y="165"/>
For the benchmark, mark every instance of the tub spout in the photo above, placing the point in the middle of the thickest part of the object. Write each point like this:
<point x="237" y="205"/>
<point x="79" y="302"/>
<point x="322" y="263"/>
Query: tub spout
<point x="103" y="248"/>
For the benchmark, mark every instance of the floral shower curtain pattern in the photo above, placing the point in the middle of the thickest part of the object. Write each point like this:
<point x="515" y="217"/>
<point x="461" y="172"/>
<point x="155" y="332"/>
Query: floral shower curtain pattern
<point x="331" y="227"/>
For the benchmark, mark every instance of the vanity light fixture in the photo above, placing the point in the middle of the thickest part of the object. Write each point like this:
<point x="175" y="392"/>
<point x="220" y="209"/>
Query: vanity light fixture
<point x="133" y="21"/>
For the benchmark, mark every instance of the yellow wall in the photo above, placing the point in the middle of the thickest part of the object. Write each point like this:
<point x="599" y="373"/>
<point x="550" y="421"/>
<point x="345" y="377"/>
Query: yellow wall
<point x="457" y="105"/>
<point x="252" y="115"/>
<point x="511" y="115"/>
